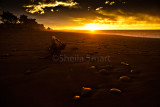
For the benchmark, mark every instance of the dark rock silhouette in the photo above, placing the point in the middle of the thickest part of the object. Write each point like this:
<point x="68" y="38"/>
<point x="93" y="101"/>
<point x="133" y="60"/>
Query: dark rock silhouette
<point x="56" y="46"/>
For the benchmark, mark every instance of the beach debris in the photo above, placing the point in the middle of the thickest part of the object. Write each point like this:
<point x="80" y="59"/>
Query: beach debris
<point x="86" y="91"/>
<point x="125" y="78"/>
<point x="115" y="91"/>
<point x="28" y="72"/>
<point x="92" y="67"/>
<point x="124" y="63"/>
<point x="104" y="71"/>
<point x="6" y="55"/>
<point x="76" y="98"/>
<point x="56" y="46"/>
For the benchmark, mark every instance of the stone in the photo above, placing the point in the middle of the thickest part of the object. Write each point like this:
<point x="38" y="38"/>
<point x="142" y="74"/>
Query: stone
<point x="93" y="67"/>
<point x="124" y="63"/>
<point x="86" y="91"/>
<point x="134" y="71"/>
<point x="125" y="78"/>
<point x="115" y="91"/>
<point x="56" y="46"/>
<point x="76" y="98"/>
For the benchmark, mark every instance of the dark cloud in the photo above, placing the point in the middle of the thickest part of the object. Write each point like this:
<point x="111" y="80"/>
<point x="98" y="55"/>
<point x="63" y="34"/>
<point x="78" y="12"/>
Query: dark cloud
<point x="131" y="5"/>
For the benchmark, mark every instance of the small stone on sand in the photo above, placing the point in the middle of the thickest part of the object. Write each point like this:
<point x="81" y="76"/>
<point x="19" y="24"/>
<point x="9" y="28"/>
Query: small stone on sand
<point x="132" y="71"/>
<point x="76" y="98"/>
<point x="93" y="67"/>
<point x="124" y="63"/>
<point x="86" y="91"/>
<point x="125" y="78"/>
<point x="115" y="91"/>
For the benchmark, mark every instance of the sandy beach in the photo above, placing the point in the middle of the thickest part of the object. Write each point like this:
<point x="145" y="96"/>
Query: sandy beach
<point x="27" y="79"/>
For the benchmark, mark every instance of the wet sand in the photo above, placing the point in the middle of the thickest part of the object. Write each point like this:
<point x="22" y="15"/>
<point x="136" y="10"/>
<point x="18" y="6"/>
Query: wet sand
<point x="29" y="80"/>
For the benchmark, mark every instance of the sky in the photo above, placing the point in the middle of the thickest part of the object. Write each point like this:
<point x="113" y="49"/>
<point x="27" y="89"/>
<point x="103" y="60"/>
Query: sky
<point x="88" y="14"/>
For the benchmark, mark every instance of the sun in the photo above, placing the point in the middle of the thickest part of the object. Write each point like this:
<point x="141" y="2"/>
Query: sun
<point x="91" y="27"/>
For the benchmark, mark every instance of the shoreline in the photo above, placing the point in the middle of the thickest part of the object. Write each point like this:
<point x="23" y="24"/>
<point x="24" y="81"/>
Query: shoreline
<point x="95" y="32"/>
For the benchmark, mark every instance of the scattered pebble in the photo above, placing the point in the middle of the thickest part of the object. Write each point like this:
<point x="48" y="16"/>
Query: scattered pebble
<point x="115" y="91"/>
<point x="124" y="63"/>
<point x="125" y="78"/>
<point x="28" y="72"/>
<point x="76" y="98"/>
<point x="132" y="71"/>
<point x="93" y="67"/>
<point x="86" y="91"/>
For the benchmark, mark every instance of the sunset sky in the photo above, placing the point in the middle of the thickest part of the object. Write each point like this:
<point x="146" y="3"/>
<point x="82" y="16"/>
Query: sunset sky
<point x="88" y="14"/>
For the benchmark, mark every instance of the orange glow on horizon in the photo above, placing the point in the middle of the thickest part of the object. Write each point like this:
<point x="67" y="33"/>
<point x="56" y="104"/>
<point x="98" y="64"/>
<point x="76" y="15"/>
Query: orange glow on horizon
<point x="110" y="27"/>
<point x="122" y="23"/>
